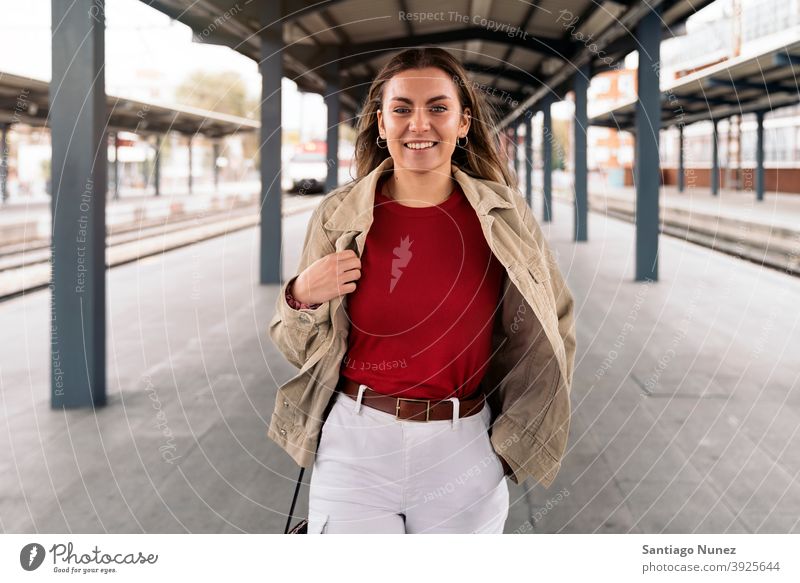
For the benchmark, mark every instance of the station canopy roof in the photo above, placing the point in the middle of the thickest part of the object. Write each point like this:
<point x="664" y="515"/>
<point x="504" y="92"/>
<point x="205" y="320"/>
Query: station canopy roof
<point x="764" y="81"/>
<point x="26" y="100"/>
<point x="518" y="52"/>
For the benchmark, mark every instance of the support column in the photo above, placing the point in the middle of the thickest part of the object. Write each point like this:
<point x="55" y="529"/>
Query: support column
<point x="157" y="168"/>
<point x="635" y="169"/>
<point x="581" y="83"/>
<point x="146" y="164"/>
<point x="190" y="163"/>
<point x="714" y="160"/>
<point x="648" y="126"/>
<point x="215" y="149"/>
<point x="760" y="155"/>
<point x="739" y="172"/>
<point x="529" y="157"/>
<point x="116" y="166"/>
<point x="271" y="69"/>
<point x="681" y="169"/>
<point x="547" y="161"/>
<point x="332" y="138"/>
<point x="80" y="181"/>
<point x="4" y="162"/>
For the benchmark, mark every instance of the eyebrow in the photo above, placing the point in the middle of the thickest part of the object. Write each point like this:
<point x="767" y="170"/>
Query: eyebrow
<point x="407" y="100"/>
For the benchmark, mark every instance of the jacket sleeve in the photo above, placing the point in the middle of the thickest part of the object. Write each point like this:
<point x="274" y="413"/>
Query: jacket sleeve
<point x="565" y="304"/>
<point x="298" y="333"/>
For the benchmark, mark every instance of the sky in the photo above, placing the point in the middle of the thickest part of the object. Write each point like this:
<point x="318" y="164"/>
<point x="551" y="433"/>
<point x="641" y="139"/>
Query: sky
<point x="147" y="56"/>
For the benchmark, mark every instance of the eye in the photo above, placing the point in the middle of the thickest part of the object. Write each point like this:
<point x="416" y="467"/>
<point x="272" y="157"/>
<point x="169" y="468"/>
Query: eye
<point x="436" y="108"/>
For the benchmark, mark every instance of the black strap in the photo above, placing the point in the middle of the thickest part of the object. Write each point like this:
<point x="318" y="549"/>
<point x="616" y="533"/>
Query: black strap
<point x="294" y="500"/>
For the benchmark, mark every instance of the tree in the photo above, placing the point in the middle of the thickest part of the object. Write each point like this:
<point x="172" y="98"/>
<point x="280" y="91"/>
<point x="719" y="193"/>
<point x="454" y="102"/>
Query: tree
<point x="223" y="92"/>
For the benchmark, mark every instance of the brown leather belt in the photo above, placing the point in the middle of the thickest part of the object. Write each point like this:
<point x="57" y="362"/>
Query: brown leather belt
<point x="413" y="409"/>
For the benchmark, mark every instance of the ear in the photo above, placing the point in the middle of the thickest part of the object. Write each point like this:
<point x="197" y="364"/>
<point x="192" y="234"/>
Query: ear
<point x="466" y="120"/>
<point x="381" y="129"/>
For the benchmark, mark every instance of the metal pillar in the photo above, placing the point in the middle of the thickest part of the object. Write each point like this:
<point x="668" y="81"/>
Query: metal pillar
<point x="332" y="136"/>
<point x="146" y="166"/>
<point x="581" y="83"/>
<point x="190" y="163"/>
<point x="760" y="155"/>
<point x="271" y="69"/>
<point x="547" y="162"/>
<point x="648" y="125"/>
<point x="215" y="150"/>
<point x="4" y="162"/>
<point x="157" y="168"/>
<point x="116" y="166"/>
<point x="529" y="158"/>
<point x="714" y="160"/>
<point x="681" y="169"/>
<point x="80" y="180"/>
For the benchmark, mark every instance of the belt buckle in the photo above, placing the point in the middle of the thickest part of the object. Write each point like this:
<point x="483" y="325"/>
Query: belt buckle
<point x="427" y="409"/>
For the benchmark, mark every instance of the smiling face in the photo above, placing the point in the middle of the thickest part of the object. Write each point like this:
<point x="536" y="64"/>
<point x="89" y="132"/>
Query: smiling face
<point x="421" y="119"/>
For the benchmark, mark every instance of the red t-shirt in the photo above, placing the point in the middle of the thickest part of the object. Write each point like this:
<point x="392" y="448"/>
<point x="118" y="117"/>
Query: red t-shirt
<point x="422" y="313"/>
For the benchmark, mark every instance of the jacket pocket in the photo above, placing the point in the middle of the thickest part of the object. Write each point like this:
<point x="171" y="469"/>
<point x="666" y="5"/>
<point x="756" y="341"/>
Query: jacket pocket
<point x="537" y="267"/>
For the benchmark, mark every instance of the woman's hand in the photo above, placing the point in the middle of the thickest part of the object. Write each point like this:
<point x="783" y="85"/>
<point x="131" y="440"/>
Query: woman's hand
<point x="328" y="277"/>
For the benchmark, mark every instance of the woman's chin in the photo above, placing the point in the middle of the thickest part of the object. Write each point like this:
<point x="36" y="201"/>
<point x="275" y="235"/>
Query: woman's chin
<point x="421" y="163"/>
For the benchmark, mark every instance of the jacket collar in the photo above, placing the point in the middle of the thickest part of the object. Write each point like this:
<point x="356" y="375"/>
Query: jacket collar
<point x="354" y="212"/>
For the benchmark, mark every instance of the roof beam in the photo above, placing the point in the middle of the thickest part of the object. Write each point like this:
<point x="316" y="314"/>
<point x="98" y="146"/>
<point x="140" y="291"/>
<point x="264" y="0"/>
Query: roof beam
<point x="295" y="10"/>
<point x="786" y="59"/>
<point x="609" y="34"/>
<point x="692" y="98"/>
<point x="741" y="84"/>
<point x="534" y="5"/>
<point x="550" y="47"/>
<point x="516" y="75"/>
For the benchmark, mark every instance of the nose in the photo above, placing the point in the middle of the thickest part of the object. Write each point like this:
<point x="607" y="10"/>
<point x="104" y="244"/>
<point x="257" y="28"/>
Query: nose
<point x="419" y="120"/>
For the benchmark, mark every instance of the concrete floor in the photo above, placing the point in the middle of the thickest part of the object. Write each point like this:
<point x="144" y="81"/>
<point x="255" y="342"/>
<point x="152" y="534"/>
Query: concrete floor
<point x="686" y="406"/>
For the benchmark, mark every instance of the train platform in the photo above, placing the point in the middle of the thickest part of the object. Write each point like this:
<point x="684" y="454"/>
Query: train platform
<point x="734" y="222"/>
<point x="685" y="402"/>
<point x="137" y="226"/>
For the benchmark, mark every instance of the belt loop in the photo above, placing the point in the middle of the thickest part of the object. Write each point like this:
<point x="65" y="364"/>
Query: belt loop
<point x="456" y="406"/>
<point x="361" y="389"/>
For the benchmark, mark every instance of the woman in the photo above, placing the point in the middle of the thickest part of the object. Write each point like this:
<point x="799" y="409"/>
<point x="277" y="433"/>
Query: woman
<point x="450" y="367"/>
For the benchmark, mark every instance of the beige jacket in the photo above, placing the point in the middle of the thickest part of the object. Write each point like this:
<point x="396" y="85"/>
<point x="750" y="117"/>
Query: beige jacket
<point x="529" y="376"/>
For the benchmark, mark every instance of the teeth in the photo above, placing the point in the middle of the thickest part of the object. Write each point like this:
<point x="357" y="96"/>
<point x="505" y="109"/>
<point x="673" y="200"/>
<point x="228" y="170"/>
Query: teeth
<point x="419" y="145"/>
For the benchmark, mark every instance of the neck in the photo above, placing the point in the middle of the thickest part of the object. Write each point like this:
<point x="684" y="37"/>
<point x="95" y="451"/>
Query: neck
<point x="419" y="189"/>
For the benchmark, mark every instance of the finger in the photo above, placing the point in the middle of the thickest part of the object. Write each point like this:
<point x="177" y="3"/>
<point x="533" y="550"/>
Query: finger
<point x="347" y="264"/>
<point x="350" y="275"/>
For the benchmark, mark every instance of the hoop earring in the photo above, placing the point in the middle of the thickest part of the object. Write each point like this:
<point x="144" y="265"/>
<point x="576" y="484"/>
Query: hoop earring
<point x="466" y="141"/>
<point x="377" y="141"/>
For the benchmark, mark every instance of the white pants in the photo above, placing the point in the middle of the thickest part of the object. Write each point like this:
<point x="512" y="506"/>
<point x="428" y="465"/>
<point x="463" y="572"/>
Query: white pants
<point x="376" y="474"/>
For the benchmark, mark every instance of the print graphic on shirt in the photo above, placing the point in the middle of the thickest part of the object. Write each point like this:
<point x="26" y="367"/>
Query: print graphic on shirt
<point x="402" y="256"/>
